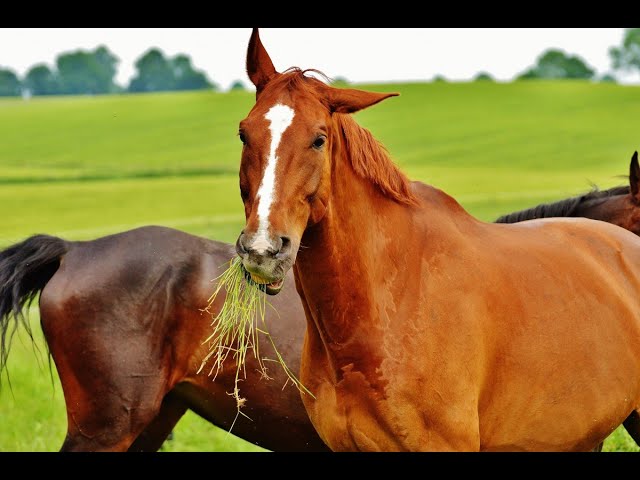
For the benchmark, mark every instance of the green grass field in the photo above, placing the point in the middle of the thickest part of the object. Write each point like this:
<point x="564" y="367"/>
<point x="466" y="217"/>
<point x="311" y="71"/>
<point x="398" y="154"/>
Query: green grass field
<point x="83" y="167"/>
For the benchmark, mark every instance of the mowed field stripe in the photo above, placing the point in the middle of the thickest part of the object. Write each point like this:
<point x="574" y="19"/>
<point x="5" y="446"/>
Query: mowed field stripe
<point x="84" y="233"/>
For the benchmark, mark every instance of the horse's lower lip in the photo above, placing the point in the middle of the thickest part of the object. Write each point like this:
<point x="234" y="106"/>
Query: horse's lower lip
<point x="271" y="288"/>
<point x="263" y="281"/>
<point x="274" y="287"/>
<point x="276" y="284"/>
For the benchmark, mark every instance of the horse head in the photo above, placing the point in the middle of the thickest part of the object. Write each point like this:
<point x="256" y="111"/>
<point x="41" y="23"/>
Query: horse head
<point x="285" y="171"/>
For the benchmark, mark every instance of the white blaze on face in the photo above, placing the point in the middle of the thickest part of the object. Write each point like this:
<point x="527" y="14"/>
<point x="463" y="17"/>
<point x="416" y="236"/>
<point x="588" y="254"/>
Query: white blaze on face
<point x="280" y="117"/>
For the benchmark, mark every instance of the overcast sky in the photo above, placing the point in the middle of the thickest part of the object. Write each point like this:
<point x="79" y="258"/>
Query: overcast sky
<point x="358" y="54"/>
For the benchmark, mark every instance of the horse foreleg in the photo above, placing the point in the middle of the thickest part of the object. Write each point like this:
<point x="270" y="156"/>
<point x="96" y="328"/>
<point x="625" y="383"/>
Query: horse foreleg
<point x="154" y="435"/>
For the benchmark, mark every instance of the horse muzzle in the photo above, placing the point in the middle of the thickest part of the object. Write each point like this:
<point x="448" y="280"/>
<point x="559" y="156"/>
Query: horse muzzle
<point x="266" y="262"/>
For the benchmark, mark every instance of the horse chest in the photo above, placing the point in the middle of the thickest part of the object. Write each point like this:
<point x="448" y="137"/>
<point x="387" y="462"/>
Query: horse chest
<point x="353" y="416"/>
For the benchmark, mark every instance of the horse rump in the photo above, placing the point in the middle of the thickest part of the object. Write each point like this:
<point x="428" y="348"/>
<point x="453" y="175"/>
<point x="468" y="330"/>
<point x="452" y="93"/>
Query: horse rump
<point x="25" y="269"/>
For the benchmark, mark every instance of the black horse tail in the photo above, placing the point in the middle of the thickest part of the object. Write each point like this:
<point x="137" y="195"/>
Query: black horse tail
<point x="25" y="269"/>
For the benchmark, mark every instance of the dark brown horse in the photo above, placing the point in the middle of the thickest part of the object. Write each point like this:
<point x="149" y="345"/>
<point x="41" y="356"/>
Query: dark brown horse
<point x="617" y="205"/>
<point x="428" y="329"/>
<point x="122" y="319"/>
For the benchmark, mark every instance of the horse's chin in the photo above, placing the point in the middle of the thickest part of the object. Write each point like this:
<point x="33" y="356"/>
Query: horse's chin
<point x="274" y="288"/>
<point x="270" y="288"/>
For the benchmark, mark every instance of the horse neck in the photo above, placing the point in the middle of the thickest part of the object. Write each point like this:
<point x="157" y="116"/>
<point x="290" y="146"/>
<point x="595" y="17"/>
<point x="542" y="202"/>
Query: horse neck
<point x="607" y="209"/>
<point x="351" y="269"/>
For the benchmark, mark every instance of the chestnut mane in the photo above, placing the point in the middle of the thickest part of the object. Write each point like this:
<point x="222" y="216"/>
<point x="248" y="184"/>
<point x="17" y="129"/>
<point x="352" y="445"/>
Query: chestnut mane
<point x="370" y="160"/>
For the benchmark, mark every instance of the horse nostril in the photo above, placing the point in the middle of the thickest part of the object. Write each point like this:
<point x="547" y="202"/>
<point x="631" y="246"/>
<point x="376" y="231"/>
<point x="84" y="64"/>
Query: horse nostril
<point x="240" y="248"/>
<point x="285" y="247"/>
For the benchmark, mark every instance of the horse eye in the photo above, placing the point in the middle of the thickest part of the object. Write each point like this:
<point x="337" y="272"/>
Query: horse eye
<point x="243" y="139"/>
<point x="319" y="142"/>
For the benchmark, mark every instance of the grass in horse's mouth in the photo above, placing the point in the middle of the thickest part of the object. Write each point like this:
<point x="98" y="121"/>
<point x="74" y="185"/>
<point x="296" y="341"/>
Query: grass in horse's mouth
<point x="235" y="328"/>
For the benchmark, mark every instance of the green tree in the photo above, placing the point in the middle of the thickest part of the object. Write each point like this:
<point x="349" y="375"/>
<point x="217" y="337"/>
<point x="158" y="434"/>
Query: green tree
<point x="556" y="64"/>
<point x="10" y="85"/>
<point x="627" y="56"/>
<point x="86" y="72"/>
<point x="528" y="74"/>
<point x="73" y="73"/>
<point x="483" y="76"/>
<point x="155" y="73"/>
<point x="40" y="80"/>
<point x="186" y="78"/>
<point x="107" y="68"/>
<point x="237" y="85"/>
<point x="608" y="78"/>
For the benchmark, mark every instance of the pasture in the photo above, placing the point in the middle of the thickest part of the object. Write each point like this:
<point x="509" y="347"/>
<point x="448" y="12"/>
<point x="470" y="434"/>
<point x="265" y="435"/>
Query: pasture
<point x="83" y="167"/>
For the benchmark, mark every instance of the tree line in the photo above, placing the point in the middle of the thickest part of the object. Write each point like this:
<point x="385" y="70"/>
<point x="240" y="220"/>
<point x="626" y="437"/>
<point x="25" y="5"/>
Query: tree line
<point x="86" y="72"/>
<point x="557" y="64"/>
<point x="93" y="72"/>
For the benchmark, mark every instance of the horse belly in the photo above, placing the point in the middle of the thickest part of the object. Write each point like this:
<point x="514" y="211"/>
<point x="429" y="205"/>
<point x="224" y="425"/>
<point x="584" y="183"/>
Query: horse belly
<point x="351" y="416"/>
<point x="563" y="392"/>
<point x="558" y="430"/>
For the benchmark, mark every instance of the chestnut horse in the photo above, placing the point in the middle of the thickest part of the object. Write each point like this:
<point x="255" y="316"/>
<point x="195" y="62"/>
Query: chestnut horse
<point x="428" y="329"/>
<point x="122" y="318"/>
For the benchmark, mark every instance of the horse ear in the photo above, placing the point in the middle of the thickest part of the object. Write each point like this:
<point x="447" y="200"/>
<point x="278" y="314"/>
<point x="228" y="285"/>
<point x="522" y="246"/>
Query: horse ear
<point x="349" y="100"/>
<point x="634" y="176"/>
<point x="259" y="66"/>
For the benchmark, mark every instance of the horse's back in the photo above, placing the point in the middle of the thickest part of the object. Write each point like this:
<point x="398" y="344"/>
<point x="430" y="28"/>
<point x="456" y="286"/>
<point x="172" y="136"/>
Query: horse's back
<point x="132" y="267"/>
<point x="600" y="251"/>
